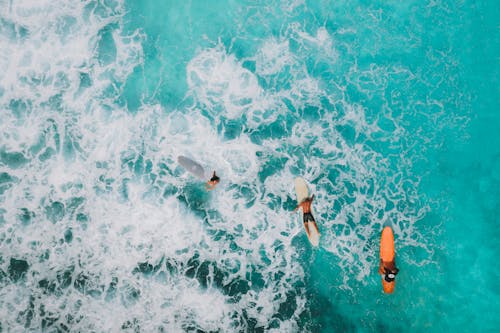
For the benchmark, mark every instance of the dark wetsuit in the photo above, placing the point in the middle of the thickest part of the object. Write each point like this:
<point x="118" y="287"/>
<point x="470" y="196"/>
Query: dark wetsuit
<point x="389" y="275"/>
<point x="308" y="217"/>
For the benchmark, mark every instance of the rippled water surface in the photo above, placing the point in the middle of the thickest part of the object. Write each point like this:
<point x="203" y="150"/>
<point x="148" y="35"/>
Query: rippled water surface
<point x="388" y="109"/>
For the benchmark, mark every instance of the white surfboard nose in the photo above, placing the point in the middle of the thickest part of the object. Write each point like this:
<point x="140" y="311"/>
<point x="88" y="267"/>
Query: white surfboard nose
<point x="193" y="167"/>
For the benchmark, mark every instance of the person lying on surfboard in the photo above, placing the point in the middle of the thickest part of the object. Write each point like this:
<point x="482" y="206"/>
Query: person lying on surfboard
<point x="307" y="215"/>
<point x="388" y="270"/>
<point x="210" y="185"/>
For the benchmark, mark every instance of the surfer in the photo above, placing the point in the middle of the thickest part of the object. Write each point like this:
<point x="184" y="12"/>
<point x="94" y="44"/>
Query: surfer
<point x="388" y="270"/>
<point x="307" y="215"/>
<point x="210" y="185"/>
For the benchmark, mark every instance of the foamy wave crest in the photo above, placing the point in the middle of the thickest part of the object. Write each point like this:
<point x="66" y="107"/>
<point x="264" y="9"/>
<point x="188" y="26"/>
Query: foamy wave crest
<point x="219" y="80"/>
<point x="222" y="85"/>
<point x="99" y="221"/>
<point x="350" y="153"/>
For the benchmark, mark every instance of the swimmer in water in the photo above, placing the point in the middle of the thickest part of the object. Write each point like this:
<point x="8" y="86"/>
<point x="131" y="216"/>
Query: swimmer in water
<point x="210" y="185"/>
<point x="307" y="216"/>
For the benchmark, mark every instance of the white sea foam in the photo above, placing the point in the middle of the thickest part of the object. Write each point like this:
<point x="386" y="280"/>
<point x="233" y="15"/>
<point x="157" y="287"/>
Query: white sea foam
<point x="322" y="41"/>
<point x="273" y="56"/>
<point x="98" y="193"/>
<point x="361" y="169"/>
<point x="90" y="216"/>
<point x="218" y="79"/>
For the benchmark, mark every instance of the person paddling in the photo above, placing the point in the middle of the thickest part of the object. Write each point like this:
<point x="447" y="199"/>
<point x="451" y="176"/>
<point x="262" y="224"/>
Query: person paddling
<point x="307" y="217"/>
<point x="388" y="270"/>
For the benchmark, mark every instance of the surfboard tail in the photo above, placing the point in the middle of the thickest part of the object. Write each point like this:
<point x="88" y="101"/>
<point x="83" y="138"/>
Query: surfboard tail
<point x="313" y="234"/>
<point x="388" y="286"/>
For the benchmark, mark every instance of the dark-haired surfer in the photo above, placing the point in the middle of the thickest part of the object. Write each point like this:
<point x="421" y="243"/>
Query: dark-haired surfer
<point x="210" y="185"/>
<point x="388" y="270"/>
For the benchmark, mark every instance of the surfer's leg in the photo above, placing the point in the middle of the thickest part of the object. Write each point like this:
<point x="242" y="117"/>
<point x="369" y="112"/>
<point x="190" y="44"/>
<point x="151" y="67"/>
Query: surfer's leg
<point x="306" y="226"/>
<point x="315" y="226"/>
<point x="307" y="217"/>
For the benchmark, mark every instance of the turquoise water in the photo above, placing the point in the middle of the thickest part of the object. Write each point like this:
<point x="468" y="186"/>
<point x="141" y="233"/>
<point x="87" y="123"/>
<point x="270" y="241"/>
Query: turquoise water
<point x="389" y="110"/>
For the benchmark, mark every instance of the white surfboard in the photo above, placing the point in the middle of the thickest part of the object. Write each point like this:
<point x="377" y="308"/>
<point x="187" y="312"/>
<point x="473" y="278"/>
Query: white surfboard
<point x="301" y="189"/>
<point x="192" y="167"/>
<point x="302" y="193"/>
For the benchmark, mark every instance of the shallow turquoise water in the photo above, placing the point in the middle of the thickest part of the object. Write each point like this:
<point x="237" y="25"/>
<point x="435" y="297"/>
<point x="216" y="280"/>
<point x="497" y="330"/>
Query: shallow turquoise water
<point x="389" y="111"/>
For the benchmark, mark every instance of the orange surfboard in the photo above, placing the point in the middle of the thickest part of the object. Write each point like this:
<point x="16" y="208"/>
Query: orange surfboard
<point x="387" y="255"/>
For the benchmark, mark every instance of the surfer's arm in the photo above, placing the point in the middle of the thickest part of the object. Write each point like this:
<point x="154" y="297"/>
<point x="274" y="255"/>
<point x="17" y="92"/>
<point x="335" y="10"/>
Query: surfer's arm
<point x="308" y="232"/>
<point x="381" y="267"/>
<point x="298" y="207"/>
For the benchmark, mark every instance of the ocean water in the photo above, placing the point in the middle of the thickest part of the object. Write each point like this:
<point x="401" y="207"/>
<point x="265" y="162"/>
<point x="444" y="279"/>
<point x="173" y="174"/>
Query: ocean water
<point x="389" y="110"/>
